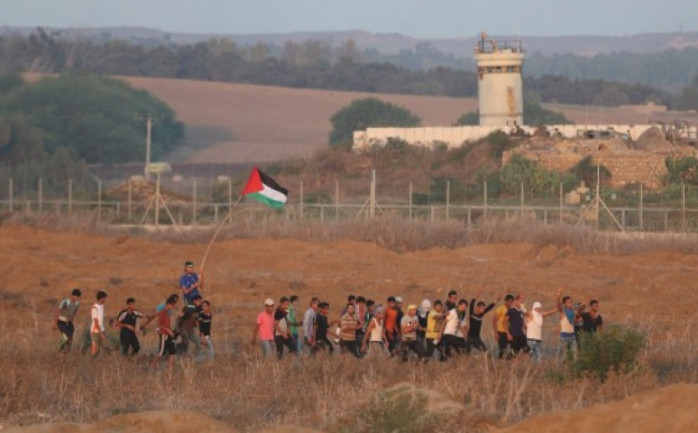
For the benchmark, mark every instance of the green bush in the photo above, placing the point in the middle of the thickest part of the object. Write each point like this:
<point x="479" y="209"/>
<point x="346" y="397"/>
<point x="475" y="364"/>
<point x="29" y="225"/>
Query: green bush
<point x="363" y="113"/>
<point x="616" y="349"/>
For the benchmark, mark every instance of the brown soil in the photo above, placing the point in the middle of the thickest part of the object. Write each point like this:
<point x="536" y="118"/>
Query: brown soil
<point x="667" y="410"/>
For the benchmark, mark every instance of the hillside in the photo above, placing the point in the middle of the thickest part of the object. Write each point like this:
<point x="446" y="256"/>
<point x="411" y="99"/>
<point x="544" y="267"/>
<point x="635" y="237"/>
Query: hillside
<point x="235" y="123"/>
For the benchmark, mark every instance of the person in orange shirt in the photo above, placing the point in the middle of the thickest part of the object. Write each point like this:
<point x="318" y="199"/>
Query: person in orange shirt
<point x="391" y="329"/>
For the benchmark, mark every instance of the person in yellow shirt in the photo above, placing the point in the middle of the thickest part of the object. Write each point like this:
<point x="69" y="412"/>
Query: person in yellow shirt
<point x="433" y="332"/>
<point x="499" y="325"/>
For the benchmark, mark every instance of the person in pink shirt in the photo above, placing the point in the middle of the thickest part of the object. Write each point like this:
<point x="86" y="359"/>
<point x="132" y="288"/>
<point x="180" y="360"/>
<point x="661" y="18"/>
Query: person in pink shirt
<point x="264" y="327"/>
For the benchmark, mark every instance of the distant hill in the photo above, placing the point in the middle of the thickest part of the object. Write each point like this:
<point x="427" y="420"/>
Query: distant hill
<point x="392" y="43"/>
<point x="229" y="123"/>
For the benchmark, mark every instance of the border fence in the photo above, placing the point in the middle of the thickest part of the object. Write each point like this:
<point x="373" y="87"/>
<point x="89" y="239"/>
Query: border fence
<point x="198" y="207"/>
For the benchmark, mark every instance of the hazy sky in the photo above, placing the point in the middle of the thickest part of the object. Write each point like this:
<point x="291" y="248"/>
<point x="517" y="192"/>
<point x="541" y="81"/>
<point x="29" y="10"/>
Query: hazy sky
<point x="425" y="18"/>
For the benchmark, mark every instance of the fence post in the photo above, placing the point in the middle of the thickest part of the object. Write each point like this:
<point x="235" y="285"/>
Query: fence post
<point x="683" y="206"/>
<point x="336" y="200"/>
<point x="130" y="198"/>
<point x="99" y="200"/>
<point x="11" y="193"/>
<point x="372" y="207"/>
<point x="193" y="208"/>
<point x="522" y="200"/>
<point x="70" y="196"/>
<point x="561" y="195"/>
<point x="642" y="227"/>
<point x="301" y="199"/>
<point x="431" y="218"/>
<point x="40" y="199"/>
<point x="410" y="209"/>
<point x="230" y="200"/>
<point x="448" y="199"/>
<point x="484" y="209"/>
<point x="469" y="217"/>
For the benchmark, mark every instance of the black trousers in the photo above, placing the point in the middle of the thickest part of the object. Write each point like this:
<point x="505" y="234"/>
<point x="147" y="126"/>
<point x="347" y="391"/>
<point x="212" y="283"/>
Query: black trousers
<point x="324" y="345"/>
<point x="452" y="342"/>
<point x="349" y="346"/>
<point x="129" y="339"/>
<point x="414" y="346"/>
<point x="280" y="343"/>
<point x="431" y="348"/>
<point x="502" y="341"/>
<point x="477" y="343"/>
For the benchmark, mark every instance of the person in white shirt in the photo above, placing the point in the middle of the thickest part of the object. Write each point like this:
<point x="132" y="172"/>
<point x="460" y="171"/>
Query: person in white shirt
<point x="534" y="329"/>
<point x="455" y="330"/>
<point x="97" y="330"/>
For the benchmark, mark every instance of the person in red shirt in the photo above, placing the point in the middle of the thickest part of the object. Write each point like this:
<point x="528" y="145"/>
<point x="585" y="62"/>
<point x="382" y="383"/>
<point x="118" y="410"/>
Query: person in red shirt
<point x="166" y="335"/>
<point x="264" y="327"/>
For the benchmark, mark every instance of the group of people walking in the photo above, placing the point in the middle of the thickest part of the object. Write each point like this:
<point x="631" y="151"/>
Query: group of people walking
<point x="363" y="328"/>
<point x="191" y="332"/>
<point x="438" y="330"/>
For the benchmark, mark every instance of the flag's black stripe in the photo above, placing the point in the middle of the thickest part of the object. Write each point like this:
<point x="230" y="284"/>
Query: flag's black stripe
<point x="271" y="183"/>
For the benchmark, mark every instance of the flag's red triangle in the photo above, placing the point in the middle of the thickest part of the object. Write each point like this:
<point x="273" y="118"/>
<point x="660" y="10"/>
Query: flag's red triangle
<point x="254" y="183"/>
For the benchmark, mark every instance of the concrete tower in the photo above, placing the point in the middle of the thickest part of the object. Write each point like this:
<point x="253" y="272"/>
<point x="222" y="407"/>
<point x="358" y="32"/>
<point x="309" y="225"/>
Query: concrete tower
<point x="499" y="82"/>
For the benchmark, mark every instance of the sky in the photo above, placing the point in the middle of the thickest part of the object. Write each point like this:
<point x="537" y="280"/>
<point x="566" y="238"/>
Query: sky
<point x="427" y="19"/>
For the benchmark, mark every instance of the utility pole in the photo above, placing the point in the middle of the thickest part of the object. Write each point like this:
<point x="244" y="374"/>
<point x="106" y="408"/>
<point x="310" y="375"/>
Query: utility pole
<point x="148" y="129"/>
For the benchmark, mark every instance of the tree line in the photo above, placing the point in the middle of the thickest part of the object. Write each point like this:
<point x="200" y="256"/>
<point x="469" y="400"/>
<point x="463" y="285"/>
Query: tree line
<point x="58" y="125"/>
<point x="312" y="64"/>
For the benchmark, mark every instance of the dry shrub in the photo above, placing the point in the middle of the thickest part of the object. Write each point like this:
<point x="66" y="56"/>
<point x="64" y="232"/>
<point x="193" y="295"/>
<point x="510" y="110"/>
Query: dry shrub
<point x="39" y="385"/>
<point x="392" y="232"/>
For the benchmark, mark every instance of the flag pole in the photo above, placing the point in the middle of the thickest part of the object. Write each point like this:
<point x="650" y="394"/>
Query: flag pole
<point x="218" y="229"/>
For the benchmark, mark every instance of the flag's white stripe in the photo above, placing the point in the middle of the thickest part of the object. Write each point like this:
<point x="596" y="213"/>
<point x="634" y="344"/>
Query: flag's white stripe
<point x="272" y="194"/>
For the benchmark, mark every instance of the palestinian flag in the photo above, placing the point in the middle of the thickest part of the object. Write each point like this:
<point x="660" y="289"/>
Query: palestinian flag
<point x="265" y="189"/>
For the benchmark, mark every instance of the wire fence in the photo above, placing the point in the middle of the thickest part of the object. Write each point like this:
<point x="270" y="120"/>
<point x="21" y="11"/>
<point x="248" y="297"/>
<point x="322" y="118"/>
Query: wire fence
<point x="209" y="204"/>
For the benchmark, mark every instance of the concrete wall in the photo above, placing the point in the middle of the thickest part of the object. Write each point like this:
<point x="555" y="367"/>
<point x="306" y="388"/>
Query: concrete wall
<point x="456" y="136"/>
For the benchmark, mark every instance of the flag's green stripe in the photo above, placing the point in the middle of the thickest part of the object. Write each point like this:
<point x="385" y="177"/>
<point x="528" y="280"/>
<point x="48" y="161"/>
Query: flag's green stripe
<point x="266" y="200"/>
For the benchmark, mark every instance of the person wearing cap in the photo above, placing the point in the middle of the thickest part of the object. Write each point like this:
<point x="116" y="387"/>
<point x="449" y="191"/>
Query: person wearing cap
<point x="190" y="283"/>
<point x="409" y="325"/>
<point x="534" y="329"/>
<point x="126" y="322"/>
<point x="63" y="319"/>
<point x="264" y="327"/>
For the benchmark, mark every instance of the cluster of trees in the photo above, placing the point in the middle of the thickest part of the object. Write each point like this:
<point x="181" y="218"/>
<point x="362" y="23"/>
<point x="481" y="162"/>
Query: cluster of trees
<point x="55" y="126"/>
<point x="312" y="64"/>
<point x="372" y="112"/>
<point x="533" y="114"/>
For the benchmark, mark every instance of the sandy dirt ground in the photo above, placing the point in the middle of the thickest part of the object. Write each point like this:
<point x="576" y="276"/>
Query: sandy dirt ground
<point x="40" y="267"/>
<point x="667" y="410"/>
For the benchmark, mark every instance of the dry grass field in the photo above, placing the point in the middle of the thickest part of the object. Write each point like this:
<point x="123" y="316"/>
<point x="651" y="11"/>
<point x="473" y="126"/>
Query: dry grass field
<point x="242" y="122"/>
<point x="646" y="284"/>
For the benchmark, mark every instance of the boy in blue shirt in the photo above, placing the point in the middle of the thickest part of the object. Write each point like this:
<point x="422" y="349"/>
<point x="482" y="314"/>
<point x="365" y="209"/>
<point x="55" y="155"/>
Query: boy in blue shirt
<point x="190" y="283"/>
